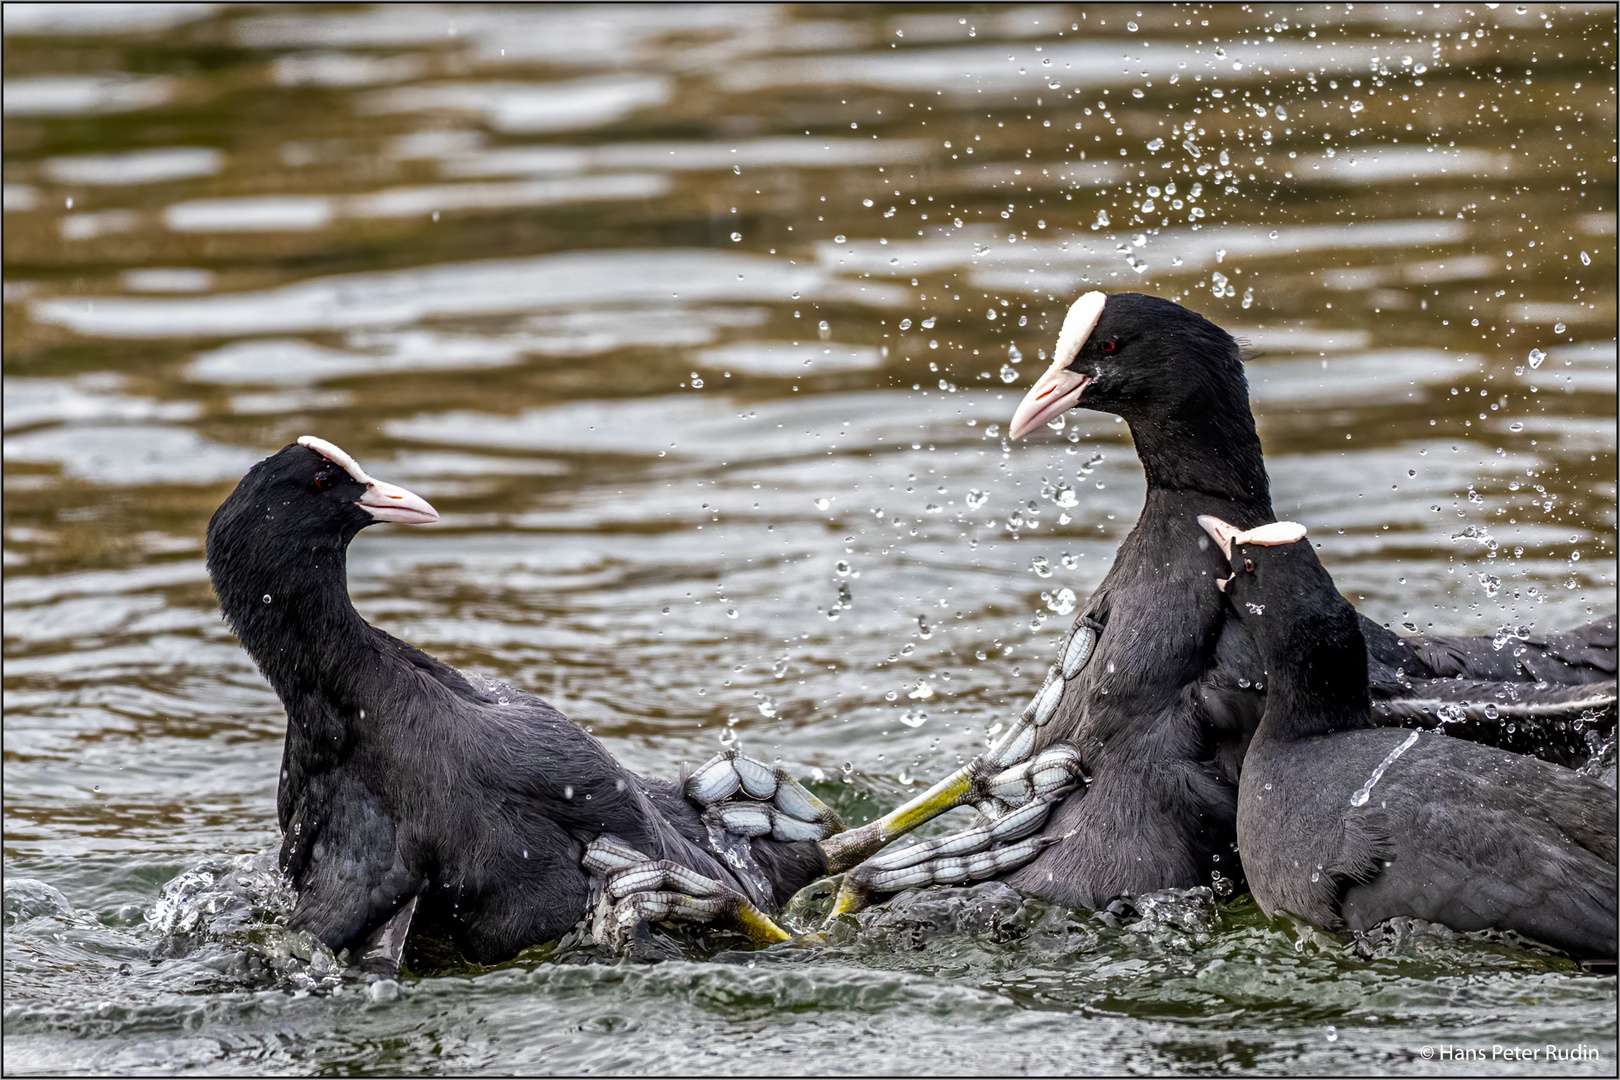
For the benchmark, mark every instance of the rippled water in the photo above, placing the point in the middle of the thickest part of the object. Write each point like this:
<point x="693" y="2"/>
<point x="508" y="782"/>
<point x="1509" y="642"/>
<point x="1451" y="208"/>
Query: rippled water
<point x="702" y="327"/>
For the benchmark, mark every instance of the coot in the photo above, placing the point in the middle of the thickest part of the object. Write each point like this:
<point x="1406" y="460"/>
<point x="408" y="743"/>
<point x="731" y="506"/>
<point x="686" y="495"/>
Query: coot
<point x="1347" y="825"/>
<point x="410" y="790"/>
<point x="1154" y="695"/>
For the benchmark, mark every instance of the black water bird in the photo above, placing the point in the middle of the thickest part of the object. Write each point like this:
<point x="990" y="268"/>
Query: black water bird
<point x="1157" y="690"/>
<point x="1347" y="825"/>
<point x="410" y="790"/>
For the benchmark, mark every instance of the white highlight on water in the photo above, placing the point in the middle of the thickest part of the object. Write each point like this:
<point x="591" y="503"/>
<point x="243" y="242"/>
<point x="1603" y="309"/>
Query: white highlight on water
<point x="1364" y="792"/>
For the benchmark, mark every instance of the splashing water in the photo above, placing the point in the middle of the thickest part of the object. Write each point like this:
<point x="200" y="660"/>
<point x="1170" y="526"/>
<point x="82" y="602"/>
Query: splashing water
<point x="1364" y="792"/>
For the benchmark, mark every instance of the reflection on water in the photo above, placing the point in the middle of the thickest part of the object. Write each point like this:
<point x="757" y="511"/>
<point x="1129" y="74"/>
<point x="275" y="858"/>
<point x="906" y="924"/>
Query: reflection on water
<point x="701" y="326"/>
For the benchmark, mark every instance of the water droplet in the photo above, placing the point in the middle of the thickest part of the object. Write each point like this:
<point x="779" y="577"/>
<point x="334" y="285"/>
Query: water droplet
<point x="976" y="499"/>
<point x="735" y="237"/>
<point x="905" y="324"/>
<point x="1517" y="425"/>
<point x="1536" y="357"/>
<point x="823" y="503"/>
<point x="1131" y="27"/>
<point x="1332" y="1032"/>
<point x="1586" y="260"/>
<point x="913" y="718"/>
<point x="1356" y="106"/>
<point x="928" y="323"/>
<point x="1559" y="328"/>
<point x="1156" y="144"/>
<point x="866" y="202"/>
<point x="265" y="598"/>
<point x="839" y="239"/>
<point x="1009" y="374"/>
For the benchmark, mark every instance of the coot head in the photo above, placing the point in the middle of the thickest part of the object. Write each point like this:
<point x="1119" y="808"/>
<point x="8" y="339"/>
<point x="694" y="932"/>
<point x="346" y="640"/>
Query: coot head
<point x="324" y="488"/>
<point x="307" y="499"/>
<point x="1140" y="357"/>
<point x="1283" y="595"/>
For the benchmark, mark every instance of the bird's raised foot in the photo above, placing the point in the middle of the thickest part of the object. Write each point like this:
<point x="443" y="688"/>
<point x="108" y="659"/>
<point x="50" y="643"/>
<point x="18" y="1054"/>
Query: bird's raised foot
<point x="970" y="785"/>
<point x="637" y="890"/>
<point x="986" y="782"/>
<point x="750" y="798"/>
<point x="984" y="851"/>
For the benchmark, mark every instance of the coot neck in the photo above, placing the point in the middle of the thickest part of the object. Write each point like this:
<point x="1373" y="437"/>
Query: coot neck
<point x="294" y="617"/>
<point x="1318" y="693"/>
<point x="1208" y="446"/>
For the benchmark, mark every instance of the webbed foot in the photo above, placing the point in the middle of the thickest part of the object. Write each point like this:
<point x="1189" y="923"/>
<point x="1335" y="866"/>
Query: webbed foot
<point x="638" y="889"/>
<point x="987" y="850"/>
<point x="972" y="784"/>
<point x="774" y="804"/>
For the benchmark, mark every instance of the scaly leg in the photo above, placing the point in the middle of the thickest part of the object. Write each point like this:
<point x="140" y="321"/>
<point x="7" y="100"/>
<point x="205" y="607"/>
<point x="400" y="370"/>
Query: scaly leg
<point x="971" y="784"/>
<point x="638" y="889"/>
<point x="984" y="851"/>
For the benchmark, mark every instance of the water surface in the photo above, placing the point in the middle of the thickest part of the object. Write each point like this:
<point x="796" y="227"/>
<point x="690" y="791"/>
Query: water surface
<point x="702" y="328"/>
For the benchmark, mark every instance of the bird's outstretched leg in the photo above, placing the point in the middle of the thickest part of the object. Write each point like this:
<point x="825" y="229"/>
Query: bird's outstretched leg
<point x="774" y="804"/>
<point x="978" y="780"/>
<point x="992" y="847"/>
<point x="638" y="889"/>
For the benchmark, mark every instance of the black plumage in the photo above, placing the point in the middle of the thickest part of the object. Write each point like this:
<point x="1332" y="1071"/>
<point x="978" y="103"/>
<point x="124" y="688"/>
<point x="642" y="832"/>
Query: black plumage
<point x="406" y="780"/>
<point x="1164" y="711"/>
<point x="1348" y="825"/>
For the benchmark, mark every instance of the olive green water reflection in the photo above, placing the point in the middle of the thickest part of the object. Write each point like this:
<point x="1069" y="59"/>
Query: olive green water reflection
<point x="702" y="327"/>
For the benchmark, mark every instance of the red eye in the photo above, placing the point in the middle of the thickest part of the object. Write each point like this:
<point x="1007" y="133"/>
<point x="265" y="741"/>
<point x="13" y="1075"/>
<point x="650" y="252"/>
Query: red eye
<point x="1109" y="346"/>
<point x="1248" y="566"/>
<point x="323" y="480"/>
